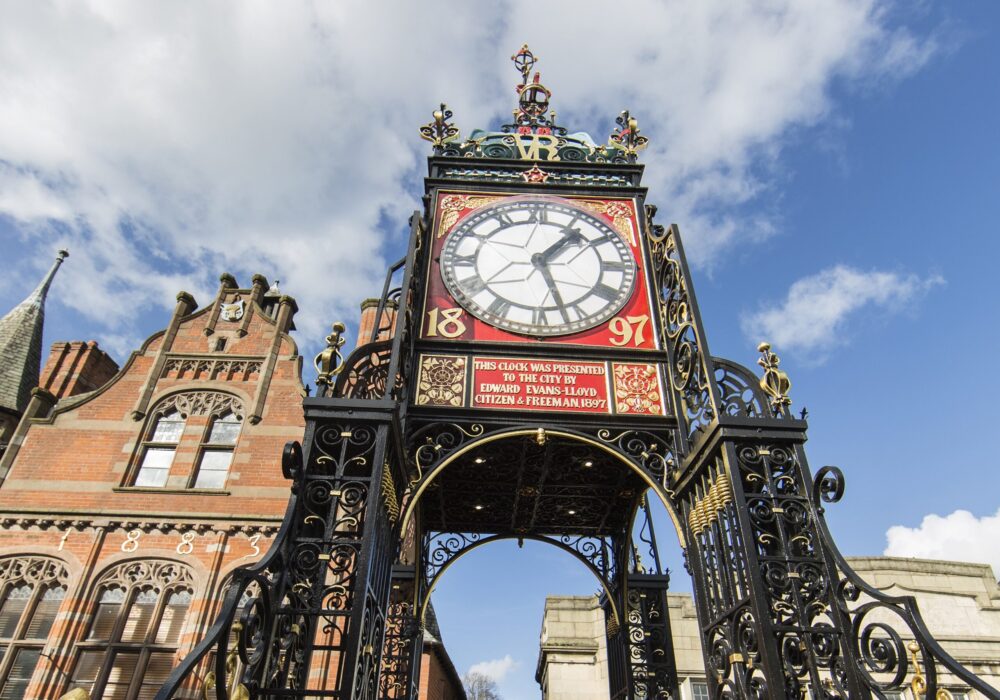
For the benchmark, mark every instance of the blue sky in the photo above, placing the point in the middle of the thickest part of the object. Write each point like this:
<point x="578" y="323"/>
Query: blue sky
<point x="834" y="167"/>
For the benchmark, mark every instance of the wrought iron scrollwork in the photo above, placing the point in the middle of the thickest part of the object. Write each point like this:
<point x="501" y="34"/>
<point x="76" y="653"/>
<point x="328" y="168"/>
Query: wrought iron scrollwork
<point x="740" y="394"/>
<point x="308" y="592"/>
<point x="649" y="645"/>
<point x="442" y="548"/>
<point x="262" y="632"/>
<point x="689" y="364"/>
<point x="654" y="453"/>
<point x="896" y="651"/>
<point x="365" y="373"/>
<point x="434" y="442"/>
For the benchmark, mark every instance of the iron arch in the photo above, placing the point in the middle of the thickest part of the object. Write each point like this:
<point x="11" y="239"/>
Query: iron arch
<point x="542" y="433"/>
<point x="432" y="583"/>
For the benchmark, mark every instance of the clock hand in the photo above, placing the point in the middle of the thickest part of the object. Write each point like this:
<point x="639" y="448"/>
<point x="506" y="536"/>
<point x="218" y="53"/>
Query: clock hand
<point x="572" y="235"/>
<point x="556" y="296"/>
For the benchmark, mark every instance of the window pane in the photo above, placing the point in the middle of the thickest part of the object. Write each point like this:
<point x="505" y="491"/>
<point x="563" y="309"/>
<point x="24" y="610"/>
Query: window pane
<point x="174" y="612"/>
<point x="225" y="430"/>
<point x="45" y="613"/>
<point x="156" y="673"/>
<point x="214" y="469"/>
<point x="699" y="691"/>
<point x="106" y="613"/>
<point x="13" y="606"/>
<point x="88" y="665"/>
<point x="120" y="677"/>
<point x="20" y="674"/>
<point x="155" y="466"/>
<point x="140" y="614"/>
<point x="168" y="428"/>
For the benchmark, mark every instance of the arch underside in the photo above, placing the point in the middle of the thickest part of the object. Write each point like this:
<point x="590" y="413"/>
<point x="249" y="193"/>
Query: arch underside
<point x="576" y="490"/>
<point x="534" y="481"/>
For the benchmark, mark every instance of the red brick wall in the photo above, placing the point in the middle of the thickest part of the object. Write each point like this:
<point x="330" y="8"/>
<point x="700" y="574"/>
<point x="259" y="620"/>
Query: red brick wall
<point x="67" y="493"/>
<point x="76" y="367"/>
<point x="435" y="681"/>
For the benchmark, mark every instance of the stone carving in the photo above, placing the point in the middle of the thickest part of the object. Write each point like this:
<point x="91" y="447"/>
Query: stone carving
<point x="201" y="403"/>
<point x="208" y="368"/>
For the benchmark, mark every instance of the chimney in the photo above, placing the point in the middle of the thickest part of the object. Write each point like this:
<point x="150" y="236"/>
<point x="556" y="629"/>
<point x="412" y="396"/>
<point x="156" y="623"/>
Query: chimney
<point x="75" y="368"/>
<point x="369" y="310"/>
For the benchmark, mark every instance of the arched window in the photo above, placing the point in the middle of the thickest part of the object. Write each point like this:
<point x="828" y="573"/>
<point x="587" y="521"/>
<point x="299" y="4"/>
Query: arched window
<point x="158" y="449"/>
<point x="216" y="452"/>
<point x="219" y="417"/>
<point x="31" y="591"/>
<point x="135" y="628"/>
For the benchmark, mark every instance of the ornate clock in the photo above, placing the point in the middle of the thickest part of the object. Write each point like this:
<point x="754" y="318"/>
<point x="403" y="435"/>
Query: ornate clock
<point x="538" y="267"/>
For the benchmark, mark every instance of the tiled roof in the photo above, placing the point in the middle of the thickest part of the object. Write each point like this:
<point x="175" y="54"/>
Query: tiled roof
<point x="21" y="345"/>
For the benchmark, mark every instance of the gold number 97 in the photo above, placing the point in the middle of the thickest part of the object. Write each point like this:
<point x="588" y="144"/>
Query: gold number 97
<point x="628" y="329"/>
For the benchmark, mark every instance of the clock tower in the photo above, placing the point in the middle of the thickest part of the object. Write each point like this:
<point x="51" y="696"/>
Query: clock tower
<point x="538" y="370"/>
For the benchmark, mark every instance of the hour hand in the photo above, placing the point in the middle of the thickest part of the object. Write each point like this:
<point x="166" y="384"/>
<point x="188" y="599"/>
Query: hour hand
<point x="570" y="236"/>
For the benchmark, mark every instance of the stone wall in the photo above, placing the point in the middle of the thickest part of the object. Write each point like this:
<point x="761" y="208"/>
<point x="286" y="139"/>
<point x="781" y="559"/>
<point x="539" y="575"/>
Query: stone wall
<point x="960" y="603"/>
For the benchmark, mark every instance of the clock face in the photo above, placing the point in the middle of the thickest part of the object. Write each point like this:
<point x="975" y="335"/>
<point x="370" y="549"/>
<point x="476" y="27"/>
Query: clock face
<point x="537" y="267"/>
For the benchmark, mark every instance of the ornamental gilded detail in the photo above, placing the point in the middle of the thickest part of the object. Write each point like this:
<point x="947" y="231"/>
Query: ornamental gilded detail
<point x="637" y="389"/>
<point x="453" y="204"/>
<point x="441" y="381"/>
<point x="621" y="215"/>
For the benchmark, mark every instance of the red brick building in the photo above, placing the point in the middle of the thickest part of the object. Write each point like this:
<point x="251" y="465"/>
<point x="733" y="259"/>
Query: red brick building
<point x="127" y="497"/>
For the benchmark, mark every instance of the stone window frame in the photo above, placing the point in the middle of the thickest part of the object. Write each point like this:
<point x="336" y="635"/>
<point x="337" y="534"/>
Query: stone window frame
<point x="697" y="685"/>
<point x="207" y="446"/>
<point x="186" y="403"/>
<point x="41" y="574"/>
<point x="150" y="443"/>
<point x="134" y="577"/>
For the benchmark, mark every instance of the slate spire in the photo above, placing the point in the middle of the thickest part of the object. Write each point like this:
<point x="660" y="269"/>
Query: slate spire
<point x="21" y="344"/>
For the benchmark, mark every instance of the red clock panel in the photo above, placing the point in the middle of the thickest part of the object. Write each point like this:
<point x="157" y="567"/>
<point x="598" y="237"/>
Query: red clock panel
<point x="537" y="269"/>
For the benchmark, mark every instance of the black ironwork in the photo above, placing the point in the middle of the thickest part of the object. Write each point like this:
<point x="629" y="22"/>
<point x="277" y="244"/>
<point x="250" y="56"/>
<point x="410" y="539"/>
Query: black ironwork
<point x="387" y="493"/>
<point x="652" y="669"/>
<point x="895" y="649"/>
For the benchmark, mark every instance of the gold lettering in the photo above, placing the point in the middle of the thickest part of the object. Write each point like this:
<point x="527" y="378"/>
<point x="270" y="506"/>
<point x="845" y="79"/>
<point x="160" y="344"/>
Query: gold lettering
<point x="535" y="145"/>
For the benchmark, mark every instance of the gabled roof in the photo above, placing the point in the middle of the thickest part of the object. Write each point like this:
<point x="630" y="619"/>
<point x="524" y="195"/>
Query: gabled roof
<point x="21" y="345"/>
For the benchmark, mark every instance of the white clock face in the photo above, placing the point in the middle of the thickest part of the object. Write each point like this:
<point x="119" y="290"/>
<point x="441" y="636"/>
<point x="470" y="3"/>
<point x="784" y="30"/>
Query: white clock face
<point x="538" y="267"/>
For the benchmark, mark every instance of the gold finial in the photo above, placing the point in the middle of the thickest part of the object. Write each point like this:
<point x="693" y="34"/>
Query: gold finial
<point x="775" y="382"/>
<point x="626" y="136"/>
<point x="440" y="131"/>
<point x="540" y="436"/>
<point x="328" y="362"/>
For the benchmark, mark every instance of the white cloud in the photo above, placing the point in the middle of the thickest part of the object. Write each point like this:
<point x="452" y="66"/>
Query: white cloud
<point x="815" y="311"/>
<point x="496" y="668"/>
<point x="960" y="536"/>
<point x="165" y="143"/>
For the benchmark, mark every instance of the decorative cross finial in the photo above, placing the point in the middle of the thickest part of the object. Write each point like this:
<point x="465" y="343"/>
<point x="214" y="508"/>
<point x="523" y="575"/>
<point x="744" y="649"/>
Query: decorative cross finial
<point x="627" y="137"/>
<point x="775" y="382"/>
<point x="531" y="117"/>
<point x="440" y="131"/>
<point x="524" y="61"/>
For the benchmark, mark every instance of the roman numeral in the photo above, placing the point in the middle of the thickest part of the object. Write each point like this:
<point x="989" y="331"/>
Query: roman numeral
<point x="605" y="292"/>
<point x="463" y="259"/>
<point x="499" y="307"/>
<point x="473" y="285"/>
<point x="503" y="218"/>
<point x="539" y="216"/>
<point x="538" y="317"/>
<point x="612" y="266"/>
